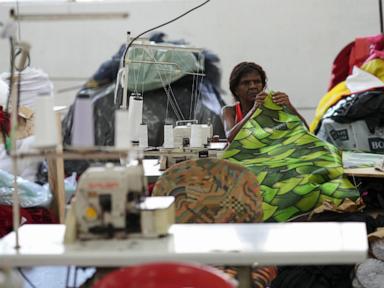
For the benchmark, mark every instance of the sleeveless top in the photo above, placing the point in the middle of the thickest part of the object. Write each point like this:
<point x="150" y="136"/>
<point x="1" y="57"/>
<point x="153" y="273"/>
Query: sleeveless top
<point x="239" y="113"/>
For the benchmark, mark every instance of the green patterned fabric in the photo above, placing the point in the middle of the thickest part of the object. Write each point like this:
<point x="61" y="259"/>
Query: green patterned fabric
<point x="154" y="68"/>
<point x="296" y="170"/>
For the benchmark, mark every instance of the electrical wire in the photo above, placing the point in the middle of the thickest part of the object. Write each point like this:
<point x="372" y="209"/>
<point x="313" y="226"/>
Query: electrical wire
<point x="26" y="278"/>
<point x="11" y="72"/>
<point x="161" y="25"/>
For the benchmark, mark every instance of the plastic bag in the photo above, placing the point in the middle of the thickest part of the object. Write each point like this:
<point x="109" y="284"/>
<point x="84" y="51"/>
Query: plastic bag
<point x="30" y="193"/>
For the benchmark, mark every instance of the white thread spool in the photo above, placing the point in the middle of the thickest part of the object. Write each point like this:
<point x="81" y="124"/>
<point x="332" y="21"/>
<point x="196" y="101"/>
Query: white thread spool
<point x="206" y="133"/>
<point x="143" y="136"/>
<point x="135" y="110"/>
<point x="168" y="136"/>
<point x="83" y="125"/>
<point x="197" y="135"/>
<point x="45" y="128"/>
<point x="122" y="130"/>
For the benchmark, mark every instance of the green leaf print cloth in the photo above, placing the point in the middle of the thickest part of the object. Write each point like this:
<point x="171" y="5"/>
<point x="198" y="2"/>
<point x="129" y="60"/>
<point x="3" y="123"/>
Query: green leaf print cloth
<point x="296" y="170"/>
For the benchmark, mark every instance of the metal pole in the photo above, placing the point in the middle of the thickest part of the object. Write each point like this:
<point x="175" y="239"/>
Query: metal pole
<point x="14" y="104"/>
<point x="381" y="16"/>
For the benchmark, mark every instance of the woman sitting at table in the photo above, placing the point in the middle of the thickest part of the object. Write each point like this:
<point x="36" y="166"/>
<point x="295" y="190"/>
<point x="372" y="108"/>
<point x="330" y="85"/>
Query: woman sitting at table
<point x="247" y="83"/>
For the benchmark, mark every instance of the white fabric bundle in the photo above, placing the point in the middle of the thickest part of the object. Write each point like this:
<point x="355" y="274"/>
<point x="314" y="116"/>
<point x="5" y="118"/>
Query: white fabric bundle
<point x="33" y="82"/>
<point x="3" y="92"/>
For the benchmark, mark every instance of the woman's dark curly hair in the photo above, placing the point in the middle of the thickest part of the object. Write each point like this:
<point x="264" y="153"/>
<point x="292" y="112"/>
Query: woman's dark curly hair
<point x="242" y="69"/>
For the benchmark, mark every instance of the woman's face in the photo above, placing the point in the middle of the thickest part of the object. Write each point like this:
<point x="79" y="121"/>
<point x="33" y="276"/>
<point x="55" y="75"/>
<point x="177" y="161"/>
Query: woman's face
<point x="249" y="86"/>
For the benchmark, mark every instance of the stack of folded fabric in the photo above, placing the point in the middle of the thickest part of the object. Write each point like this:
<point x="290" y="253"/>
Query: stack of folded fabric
<point x="33" y="82"/>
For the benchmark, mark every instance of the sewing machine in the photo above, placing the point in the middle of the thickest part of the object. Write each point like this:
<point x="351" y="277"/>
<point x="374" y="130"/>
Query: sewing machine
<point x="171" y="156"/>
<point x="188" y="133"/>
<point x="111" y="202"/>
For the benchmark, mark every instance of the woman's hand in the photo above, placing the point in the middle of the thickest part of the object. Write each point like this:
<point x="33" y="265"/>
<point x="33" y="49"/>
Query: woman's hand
<point x="281" y="98"/>
<point x="259" y="100"/>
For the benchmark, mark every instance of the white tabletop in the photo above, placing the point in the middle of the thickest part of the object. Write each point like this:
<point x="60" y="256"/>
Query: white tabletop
<point x="230" y="244"/>
<point x="152" y="169"/>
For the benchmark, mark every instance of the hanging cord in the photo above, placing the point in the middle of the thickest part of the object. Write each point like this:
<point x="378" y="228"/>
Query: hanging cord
<point x="196" y="82"/>
<point x="141" y="75"/>
<point x="199" y="82"/>
<point x="11" y="73"/>
<point x="168" y="91"/>
<point x="192" y="96"/>
<point x="11" y="86"/>
<point x="26" y="278"/>
<point x="381" y="16"/>
<point x="161" y="25"/>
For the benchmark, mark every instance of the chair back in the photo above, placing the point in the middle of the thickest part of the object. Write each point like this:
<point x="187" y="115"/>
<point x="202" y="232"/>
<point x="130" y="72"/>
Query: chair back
<point x="211" y="190"/>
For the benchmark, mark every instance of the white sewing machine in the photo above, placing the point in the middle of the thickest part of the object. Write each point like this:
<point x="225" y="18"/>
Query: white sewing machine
<point x="111" y="202"/>
<point x="171" y="156"/>
<point x="188" y="133"/>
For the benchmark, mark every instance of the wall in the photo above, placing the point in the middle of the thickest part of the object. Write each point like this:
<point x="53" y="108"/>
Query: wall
<point x="294" y="40"/>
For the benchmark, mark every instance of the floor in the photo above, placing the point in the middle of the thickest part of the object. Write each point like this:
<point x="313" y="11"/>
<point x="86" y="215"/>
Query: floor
<point x="51" y="276"/>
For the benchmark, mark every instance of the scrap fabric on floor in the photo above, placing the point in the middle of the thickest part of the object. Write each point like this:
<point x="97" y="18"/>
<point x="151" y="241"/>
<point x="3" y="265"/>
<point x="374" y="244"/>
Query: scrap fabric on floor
<point x="296" y="170"/>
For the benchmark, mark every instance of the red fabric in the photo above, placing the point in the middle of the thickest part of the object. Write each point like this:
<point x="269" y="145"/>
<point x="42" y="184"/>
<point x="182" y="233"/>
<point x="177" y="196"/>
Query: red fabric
<point x="165" y="275"/>
<point x="364" y="47"/>
<point x="340" y="68"/>
<point x="239" y="113"/>
<point x="354" y="54"/>
<point x="150" y="188"/>
<point x="35" y="215"/>
<point x="376" y="55"/>
<point x="4" y="121"/>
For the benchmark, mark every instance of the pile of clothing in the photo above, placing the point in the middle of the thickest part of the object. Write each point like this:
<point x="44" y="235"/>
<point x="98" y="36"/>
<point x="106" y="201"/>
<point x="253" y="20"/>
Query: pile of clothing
<point x="350" y="115"/>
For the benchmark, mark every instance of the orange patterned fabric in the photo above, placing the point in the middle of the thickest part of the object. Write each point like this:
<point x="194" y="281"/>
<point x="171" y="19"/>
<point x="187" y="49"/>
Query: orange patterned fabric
<point x="212" y="191"/>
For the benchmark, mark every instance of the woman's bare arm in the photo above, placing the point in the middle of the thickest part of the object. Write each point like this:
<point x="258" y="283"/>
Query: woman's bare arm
<point x="231" y="128"/>
<point x="229" y="115"/>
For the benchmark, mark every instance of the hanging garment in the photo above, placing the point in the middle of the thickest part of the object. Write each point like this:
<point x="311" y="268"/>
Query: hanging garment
<point x="296" y="171"/>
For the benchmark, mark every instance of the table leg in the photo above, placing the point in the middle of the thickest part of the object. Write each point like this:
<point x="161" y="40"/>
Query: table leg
<point x="245" y="276"/>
